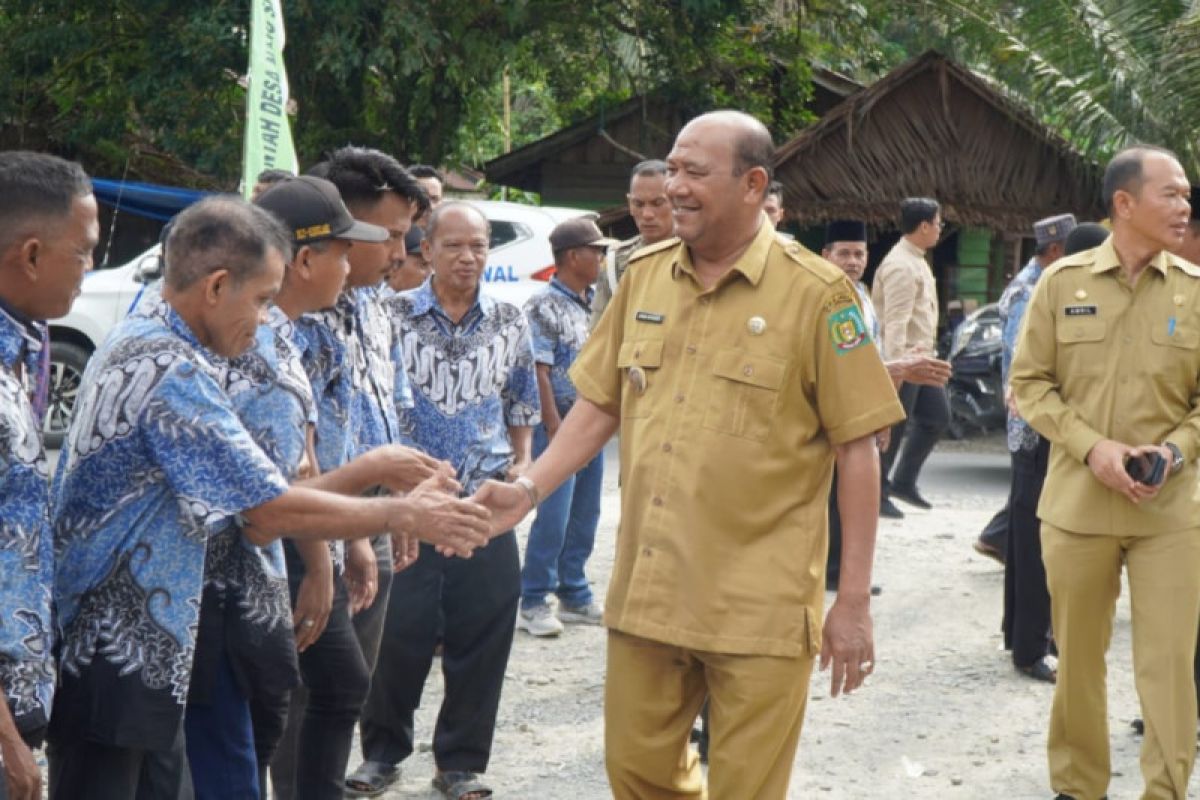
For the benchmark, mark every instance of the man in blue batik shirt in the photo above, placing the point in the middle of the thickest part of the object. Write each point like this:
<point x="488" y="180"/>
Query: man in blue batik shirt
<point x="1026" y="621"/>
<point x="156" y="461"/>
<point x="470" y="363"/>
<point x="348" y="352"/>
<point x="564" y="531"/>
<point x="48" y="229"/>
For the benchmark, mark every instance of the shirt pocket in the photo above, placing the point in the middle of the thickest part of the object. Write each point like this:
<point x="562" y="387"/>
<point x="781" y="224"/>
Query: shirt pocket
<point x="744" y="393"/>
<point x="639" y="362"/>
<point x="1174" y="353"/>
<point x="1081" y="346"/>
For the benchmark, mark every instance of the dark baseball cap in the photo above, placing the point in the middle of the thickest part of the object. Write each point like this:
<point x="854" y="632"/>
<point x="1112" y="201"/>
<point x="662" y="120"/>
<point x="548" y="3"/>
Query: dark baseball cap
<point x="577" y="232"/>
<point x="313" y="211"/>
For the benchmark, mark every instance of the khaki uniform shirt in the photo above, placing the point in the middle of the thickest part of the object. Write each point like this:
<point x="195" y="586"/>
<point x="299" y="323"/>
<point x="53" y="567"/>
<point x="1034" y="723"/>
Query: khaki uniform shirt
<point x="730" y="400"/>
<point x="614" y="267"/>
<point x="905" y="298"/>
<point x="1099" y="359"/>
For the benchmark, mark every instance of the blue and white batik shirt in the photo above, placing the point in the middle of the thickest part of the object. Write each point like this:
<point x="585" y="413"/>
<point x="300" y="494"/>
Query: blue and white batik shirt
<point x="559" y="321"/>
<point x="1013" y="303"/>
<point x="471" y="380"/>
<point x="26" y="554"/>
<point x="156" y="460"/>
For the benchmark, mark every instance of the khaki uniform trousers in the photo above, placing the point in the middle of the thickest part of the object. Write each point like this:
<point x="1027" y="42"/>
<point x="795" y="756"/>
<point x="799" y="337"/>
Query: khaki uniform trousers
<point x="652" y="695"/>
<point x="1084" y="575"/>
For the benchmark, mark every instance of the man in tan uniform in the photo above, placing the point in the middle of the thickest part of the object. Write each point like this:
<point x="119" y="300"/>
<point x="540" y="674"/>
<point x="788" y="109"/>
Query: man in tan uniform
<point x="651" y="212"/>
<point x="905" y="298"/>
<point x="738" y="368"/>
<point x="1108" y="369"/>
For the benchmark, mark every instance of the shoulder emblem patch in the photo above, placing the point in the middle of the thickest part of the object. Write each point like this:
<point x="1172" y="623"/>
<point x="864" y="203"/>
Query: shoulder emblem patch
<point x="847" y="330"/>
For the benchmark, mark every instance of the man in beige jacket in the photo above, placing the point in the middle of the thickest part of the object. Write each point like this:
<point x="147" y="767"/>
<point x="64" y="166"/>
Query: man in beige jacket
<point x="905" y="299"/>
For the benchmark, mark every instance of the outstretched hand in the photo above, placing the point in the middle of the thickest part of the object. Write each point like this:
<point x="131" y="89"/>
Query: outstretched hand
<point x="455" y="526"/>
<point x="402" y="468"/>
<point x="508" y="502"/>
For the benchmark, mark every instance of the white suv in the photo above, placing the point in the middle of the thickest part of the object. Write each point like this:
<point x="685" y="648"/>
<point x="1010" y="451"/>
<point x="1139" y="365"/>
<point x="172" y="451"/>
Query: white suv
<point x="518" y="260"/>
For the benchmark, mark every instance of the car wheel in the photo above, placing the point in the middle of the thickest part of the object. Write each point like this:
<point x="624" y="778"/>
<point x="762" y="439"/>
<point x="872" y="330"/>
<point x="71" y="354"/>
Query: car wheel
<point x="67" y="362"/>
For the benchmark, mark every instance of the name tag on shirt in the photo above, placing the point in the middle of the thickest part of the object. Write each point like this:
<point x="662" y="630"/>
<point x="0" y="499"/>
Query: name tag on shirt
<point x="646" y="316"/>
<point x="1080" y="311"/>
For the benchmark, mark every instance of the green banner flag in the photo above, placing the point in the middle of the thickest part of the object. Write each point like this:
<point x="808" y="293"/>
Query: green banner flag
<point x="268" y="134"/>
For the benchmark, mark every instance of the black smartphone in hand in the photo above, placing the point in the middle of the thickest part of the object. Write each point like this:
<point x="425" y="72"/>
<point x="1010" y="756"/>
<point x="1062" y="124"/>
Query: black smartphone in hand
<point x="1149" y="468"/>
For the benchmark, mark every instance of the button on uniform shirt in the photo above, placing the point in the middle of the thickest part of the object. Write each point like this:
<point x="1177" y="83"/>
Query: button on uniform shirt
<point x="1012" y="307"/>
<point x="1100" y="359"/>
<point x="559" y="319"/>
<point x="905" y="297"/>
<point x="471" y="380"/>
<point x="26" y="546"/>
<point x="731" y="400"/>
<point x="156" y="461"/>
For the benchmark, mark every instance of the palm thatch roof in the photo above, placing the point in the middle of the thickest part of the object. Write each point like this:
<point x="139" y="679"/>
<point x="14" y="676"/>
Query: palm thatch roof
<point x="934" y="128"/>
<point x="591" y="158"/>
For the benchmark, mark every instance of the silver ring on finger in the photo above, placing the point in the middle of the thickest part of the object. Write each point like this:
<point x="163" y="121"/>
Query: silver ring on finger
<point x="308" y="623"/>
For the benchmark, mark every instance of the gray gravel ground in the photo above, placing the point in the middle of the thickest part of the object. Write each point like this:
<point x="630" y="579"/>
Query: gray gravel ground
<point x="944" y="716"/>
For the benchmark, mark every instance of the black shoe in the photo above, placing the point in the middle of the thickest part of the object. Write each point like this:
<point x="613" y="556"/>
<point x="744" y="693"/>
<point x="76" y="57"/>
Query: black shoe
<point x="1040" y="670"/>
<point x="985" y="549"/>
<point x="888" y="509"/>
<point x="1139" y="727"/>
<point x="909" y="495"/>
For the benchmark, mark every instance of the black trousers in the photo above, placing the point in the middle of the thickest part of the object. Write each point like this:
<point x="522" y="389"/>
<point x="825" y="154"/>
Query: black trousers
<point x="1026" y="597"/>
<point x="833" y="563"/>
<point x="478" y="598"/>
<point x="311" y="760"/>
<point x="85" y="770"/>
<point x="928" y="412"/>
<point x="368" y="623"/>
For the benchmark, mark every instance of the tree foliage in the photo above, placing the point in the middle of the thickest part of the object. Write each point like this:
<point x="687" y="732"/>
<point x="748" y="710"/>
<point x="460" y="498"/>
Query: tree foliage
<point x="151" y="88"/>
<point x="1105" y="73"/>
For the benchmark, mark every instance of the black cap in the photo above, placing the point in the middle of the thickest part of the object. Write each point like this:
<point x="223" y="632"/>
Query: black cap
<point x="1084" y="236"/>
<point x="313" y="211"/>
<point x="845" y="230"/>
<point x="577" y="232"/>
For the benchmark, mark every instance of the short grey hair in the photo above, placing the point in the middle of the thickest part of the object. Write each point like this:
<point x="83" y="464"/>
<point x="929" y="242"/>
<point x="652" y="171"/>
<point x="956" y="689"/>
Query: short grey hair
<point x="222" y="233"/>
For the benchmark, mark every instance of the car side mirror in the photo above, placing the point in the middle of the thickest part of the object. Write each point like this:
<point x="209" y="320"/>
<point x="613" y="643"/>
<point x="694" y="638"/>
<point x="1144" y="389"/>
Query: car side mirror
<point x="149" y="269"/>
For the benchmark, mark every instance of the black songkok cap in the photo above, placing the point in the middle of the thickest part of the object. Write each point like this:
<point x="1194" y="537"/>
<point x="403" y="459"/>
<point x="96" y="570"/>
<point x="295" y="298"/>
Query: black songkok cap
<point x="845" y="230"/>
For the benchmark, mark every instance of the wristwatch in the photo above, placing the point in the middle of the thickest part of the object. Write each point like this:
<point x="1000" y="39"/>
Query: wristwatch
<point x="1176" y="456"/>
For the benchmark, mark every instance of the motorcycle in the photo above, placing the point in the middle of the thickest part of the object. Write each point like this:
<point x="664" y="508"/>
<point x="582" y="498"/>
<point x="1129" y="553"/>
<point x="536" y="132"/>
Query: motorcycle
<point x="976" y="387"/>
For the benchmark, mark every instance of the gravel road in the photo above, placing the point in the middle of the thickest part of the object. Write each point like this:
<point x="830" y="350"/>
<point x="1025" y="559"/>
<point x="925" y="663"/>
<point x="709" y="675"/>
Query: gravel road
<point x="944" y="716"/>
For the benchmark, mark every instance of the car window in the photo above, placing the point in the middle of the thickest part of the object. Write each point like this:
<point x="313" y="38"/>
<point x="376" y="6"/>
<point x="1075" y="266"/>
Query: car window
<point x="505" y="233"/>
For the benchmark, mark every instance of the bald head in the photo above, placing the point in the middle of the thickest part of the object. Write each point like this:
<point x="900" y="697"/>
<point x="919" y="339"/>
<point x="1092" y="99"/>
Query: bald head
<point x="717" y="177"/>
<point x="749" y="139"/>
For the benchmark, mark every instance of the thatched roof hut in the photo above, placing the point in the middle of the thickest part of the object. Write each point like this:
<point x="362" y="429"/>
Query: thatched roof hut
<point x="587" y="164"/>
<point x="934" y="128"/>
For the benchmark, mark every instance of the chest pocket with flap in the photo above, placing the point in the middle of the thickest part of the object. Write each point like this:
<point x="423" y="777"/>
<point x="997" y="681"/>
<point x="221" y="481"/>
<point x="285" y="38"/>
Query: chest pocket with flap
<point x="1081" y="345"/>
<point x="640" y="357"/>
<point x="745" y="393"/>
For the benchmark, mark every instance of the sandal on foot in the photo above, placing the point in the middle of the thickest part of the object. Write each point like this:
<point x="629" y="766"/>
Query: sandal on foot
<point x="460" y="786"/>
<point x="371" y="779"/>
<point x="1040" y="670"/>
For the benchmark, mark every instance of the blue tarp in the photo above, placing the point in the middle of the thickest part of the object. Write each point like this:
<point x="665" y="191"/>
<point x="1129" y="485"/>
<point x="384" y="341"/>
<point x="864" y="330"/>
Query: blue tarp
<point x="144" y="199"/>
